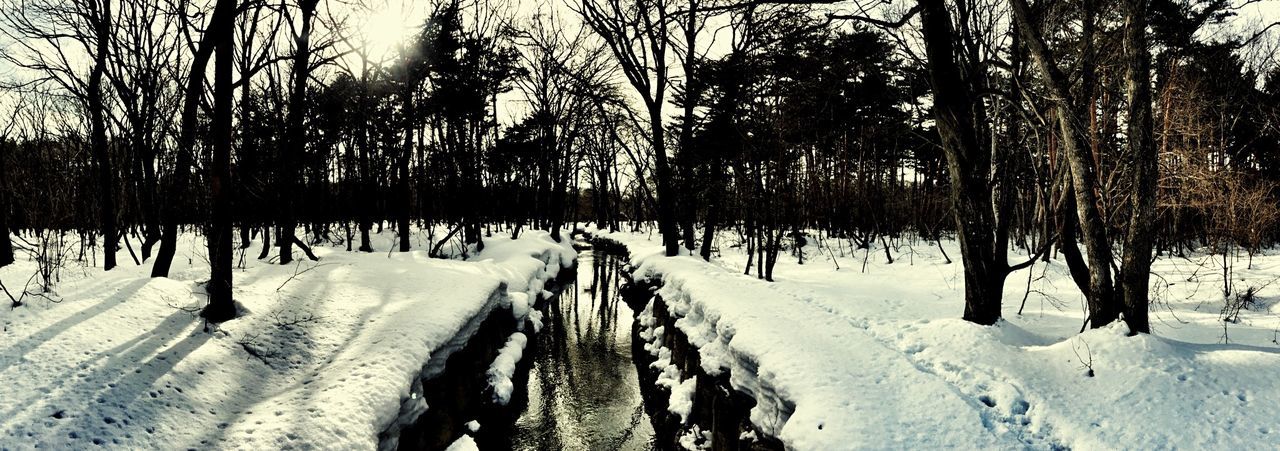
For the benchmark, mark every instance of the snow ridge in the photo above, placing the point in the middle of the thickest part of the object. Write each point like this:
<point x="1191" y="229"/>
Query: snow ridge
<point x="878" y="359"/>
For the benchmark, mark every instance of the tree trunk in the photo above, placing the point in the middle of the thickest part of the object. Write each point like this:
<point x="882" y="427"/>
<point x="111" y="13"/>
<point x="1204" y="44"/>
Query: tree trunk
<point x="689" y="205"/>
<point x="186" y="145"/>
<point x="559" y="183"/>
<point x="221" y="307"/>
<point x="365" y="182"/>
<point x="968" y="164"/>
<point x="98" y="131"/>
<point x="266" y="243"/>
<point x="666" y="195"/>
<point x="6" y="245"/>
<point x="709" y="230"/>
<point x="248" y="192"/>
<point x="147" y="197"/>
<point x="1136" y="259"/>
<point x="296" y="136"/>
<point x="402" y="185"/>
<point x="1067" y="241"/>
<point x="1071" y="120"/>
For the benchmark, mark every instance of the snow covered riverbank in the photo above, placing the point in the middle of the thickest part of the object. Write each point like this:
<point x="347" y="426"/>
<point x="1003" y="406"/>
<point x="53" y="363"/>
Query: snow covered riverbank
<point x="326" y="356"/>
<point x="846" y="358"/>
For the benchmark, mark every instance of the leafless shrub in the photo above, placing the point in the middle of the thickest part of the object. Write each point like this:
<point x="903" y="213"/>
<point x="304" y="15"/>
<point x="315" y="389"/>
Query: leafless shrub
<point x="299" y="270"/>
<point x="1239" y="302"/>
<point x="51" y="251"/>
<point x="1086" y="362"/>
<point x="289" y="320"/>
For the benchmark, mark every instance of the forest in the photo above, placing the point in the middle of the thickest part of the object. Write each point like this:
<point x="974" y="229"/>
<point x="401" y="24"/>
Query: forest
<point x="1091" y="138"/>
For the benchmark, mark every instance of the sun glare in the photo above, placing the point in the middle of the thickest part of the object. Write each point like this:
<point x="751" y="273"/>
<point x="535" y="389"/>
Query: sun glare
<point x="386" y="29"/>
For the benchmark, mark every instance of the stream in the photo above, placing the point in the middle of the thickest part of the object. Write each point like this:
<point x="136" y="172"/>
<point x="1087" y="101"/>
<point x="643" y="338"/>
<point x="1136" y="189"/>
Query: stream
<point x="583" y="391"/>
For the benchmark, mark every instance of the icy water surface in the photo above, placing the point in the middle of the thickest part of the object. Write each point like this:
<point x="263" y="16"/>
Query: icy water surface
<point x="583" y="391"/>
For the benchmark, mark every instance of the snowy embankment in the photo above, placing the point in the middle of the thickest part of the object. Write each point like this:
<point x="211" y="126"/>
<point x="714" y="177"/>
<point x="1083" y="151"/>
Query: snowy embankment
<point x="877" y="358"/>
<point x="503" y="367"/>
<point x="529" y="269"/>
<point x="327" y="354"/>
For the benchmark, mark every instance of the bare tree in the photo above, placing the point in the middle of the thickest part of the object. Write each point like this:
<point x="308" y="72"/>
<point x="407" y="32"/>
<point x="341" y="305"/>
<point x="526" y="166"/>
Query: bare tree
<point x="221" y="307"/>
<point x="6" y="245"/>
<point x="51" y="39"/>
<point x="1135" y="269"/>
<point x="143" y="50"/>
<point x="1071" y="114"/>
<point x="564" y="77"/>
<point x="636" y="32"/>
<point x="960" y="118"/>
<point x="295" y="142"/>
<point x="1106" y="298"/>
<point x="185" y="152"/>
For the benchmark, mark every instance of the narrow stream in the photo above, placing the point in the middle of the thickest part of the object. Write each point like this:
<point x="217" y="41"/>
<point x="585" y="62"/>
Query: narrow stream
<point x="583" y="391"/>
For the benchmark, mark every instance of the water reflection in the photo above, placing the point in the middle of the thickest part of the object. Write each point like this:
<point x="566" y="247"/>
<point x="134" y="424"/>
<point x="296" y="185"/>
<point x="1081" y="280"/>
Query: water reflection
<point x="583" y="392"/>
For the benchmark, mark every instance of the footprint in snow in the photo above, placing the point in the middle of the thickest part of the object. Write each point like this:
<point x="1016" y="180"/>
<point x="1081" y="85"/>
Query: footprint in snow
<point x="987" y="400"/>
<point x="1020" y="407"/>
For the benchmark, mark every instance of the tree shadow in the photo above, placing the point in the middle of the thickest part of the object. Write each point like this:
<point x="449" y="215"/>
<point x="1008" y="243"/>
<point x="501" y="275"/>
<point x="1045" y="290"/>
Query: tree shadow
<point x="85" y="402"/>
<point x="295" y="356"/>
<point x="1200" y="348"/>
<point x="26" y="345"/>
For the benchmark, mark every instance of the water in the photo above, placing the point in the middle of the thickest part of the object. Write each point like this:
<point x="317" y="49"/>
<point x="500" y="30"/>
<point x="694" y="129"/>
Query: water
<point x="583" y="390"/>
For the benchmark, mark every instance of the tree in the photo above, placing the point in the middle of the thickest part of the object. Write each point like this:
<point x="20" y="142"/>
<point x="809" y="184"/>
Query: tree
<point x="635" y="31"/>
<point x="563" y="77"/>
<point x="6" y="243"/>
<point x="354" y="87"/>
<point x="185" y="152"/>
<point x="1071" y="114"/>
<point x="250" y="178"/>
<point x="470" y="62"/>
<point x="47" y="35"/>
<point x="689" y="26"/>
<point x="410" y="78"/>
<point x="221" y="306"/>
<point x="101" y="22"/>
<point x="142" y="52"/>
<point x="960" y="121"/>
<point x="1128" y="292"/>
<point x="295" y="139"/>
<point x="1135" y="263"/>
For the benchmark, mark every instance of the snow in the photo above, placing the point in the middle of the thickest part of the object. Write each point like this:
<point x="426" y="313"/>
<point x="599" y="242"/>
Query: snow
<point x="680" y="401"/>
<point x="504" y="367"/>
<point x="535" y="320"/>
<point x="464" y="443"/>
<point x="695" y="439"/>
<point x="328" y="354"/>
<point x="847" y="358"/>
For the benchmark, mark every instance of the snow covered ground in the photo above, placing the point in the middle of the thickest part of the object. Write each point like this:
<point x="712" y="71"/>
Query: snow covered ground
<point x="877" y="358"/>
<point x="326" y="355"/>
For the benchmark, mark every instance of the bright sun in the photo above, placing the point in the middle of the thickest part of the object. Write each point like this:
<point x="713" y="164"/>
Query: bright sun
<point x="386" y="29"/>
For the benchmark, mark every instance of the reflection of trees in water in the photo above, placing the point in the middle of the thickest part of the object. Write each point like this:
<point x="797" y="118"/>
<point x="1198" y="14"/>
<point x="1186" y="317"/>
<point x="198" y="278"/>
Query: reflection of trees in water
<point x="549" y="368"/>
<point x="589" y="396"/>
<point x="637" y="417"/>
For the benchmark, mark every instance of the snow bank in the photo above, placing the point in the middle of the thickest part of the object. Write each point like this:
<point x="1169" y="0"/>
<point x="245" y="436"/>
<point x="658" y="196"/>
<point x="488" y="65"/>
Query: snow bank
<point x="528" y="265"/>
<point x="841" y="359"/>
<point x="329" y="354"/>
<point x="680" y="401"/>
<point x="465" y="443"/>
<point x="504" y="367"/>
